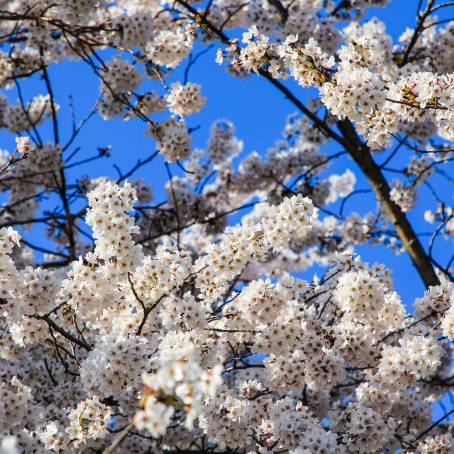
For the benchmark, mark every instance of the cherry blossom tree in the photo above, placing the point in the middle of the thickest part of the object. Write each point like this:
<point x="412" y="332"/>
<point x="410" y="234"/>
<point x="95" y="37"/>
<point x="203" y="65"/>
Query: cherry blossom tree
<point x="143" y="327"/>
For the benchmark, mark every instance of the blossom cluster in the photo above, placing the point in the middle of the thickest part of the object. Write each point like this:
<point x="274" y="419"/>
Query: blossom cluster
<point x="367" y="85"/>
<point x="172" y="344"/>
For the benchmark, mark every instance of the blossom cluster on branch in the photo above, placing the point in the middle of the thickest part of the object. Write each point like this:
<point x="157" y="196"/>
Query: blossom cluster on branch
<point x="173" y="343"/>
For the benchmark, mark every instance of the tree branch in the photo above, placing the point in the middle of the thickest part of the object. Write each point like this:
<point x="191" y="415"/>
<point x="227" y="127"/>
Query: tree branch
<point x="362" y="156"/>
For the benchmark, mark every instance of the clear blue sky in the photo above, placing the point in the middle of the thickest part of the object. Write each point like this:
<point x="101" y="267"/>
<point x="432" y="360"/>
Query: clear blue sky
<point x="258" y="112"/>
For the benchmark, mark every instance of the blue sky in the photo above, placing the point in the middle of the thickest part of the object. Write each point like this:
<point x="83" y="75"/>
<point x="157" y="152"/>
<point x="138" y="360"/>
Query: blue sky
<point x="258" y="112"/>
